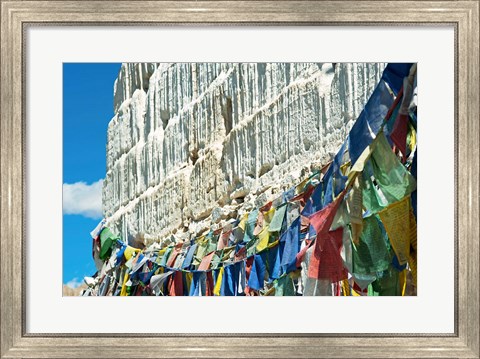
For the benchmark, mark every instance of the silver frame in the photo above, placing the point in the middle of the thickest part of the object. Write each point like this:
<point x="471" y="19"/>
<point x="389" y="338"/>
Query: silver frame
<point x="17" y="15"/>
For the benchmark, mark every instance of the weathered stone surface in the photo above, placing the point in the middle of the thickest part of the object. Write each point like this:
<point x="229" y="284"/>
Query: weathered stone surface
<point x="190" y="138"/>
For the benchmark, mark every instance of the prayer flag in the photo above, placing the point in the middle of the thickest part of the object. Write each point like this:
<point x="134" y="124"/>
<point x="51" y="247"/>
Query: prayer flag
<point x="401" y="228"/>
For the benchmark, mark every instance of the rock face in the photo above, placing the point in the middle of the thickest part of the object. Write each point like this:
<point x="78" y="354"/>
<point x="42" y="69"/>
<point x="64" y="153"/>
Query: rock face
<point x="196" y="144"/>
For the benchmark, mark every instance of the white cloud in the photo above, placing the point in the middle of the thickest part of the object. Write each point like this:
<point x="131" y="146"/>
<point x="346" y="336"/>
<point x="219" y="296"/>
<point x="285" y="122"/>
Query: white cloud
<point x="83" y="199"/>
<point x="74" y="283"/>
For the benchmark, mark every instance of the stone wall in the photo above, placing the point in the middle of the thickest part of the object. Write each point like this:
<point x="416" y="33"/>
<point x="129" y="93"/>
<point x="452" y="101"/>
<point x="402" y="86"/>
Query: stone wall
<point x="193" y="144"/>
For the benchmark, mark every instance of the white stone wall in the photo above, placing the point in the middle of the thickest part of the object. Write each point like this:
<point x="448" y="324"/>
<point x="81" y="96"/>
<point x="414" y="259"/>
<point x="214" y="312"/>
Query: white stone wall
<point x="191" y="139"/>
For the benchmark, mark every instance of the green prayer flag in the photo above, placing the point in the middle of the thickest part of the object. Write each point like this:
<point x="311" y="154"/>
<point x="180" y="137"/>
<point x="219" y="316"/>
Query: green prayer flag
<point x="106" y="241"/>
<point x="202" y="246"/>
<point x="278" y="217"/>
<point x="371" y="254"/>
<point x="217" y="259"/>
<point x="212" y="245"/>
<point x="250" y="225"/>
<point x="388" y="284"/>
<point x="385" y="179"/>
<point x="284" y="286"/>
<point x="164" y="258"/>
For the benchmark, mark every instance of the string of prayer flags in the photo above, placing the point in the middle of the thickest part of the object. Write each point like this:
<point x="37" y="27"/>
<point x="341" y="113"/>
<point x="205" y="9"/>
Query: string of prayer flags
<point x="352" y="232"/>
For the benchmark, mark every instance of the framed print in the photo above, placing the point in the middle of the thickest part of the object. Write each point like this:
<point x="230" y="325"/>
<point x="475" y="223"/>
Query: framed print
<point x="209" y="117"/>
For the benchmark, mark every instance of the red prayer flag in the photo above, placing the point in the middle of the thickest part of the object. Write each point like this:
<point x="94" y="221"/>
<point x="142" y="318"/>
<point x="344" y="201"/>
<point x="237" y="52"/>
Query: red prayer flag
<point x="205" y="263"/>
<point x="173" y="256"/>
<point x="399" y="133"/>
<point x="248" y="269"/>
<point x="323" y="219"/>
<point x="209" y="285"/>
<point x="176" y="286"/>
<point x="328" y="264"/>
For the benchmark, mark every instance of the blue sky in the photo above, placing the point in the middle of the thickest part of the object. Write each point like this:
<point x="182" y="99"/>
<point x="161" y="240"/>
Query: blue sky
<point x="87" y="110"/>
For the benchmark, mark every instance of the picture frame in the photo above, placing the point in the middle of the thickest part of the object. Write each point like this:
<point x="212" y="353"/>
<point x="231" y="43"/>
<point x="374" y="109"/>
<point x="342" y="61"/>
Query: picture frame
<point x="16" y="16"/>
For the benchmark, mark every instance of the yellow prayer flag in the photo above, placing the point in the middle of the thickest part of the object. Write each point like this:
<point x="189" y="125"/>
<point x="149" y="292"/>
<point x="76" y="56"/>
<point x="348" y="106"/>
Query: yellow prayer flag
<point x="413" y="138"/>
<point x="243" y="222"/>
<point x="412" y="258"/>
<point x="269" y="292"/>
<point x="413" y="230"/>
<point x="263" y="238"/>
<point x="412" y="263"/>
<point x="345" y="168"/>
<point x="123" y="292"/>
<point x="218" y="284"/>
<point x="227" y="253"/>
<point x="355" y="294"/>
<point x="402" y="278"/>
<point x="162" y="251"/>
<point x="188" y="280"/>
<point x="345" y="287"/>
<point x="396" y="220"/>
<point x="129" y="252"/>
<point x="267" y="216"/>
<point x="300" y="187"/>
<point x="273" y="244"/>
